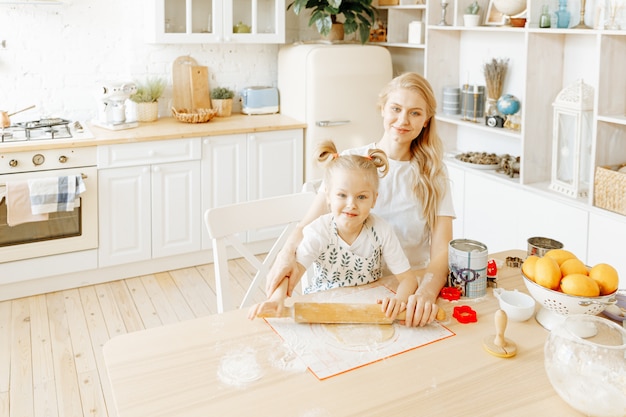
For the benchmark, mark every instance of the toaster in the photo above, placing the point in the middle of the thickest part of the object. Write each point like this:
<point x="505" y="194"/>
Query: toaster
<point x="259" y="100"/>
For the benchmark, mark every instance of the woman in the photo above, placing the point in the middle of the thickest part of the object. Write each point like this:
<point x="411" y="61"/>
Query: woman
<point x="414" y="196"/>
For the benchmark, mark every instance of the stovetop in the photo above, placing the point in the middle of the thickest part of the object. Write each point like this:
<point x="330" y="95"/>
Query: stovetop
<point x="45" y="129"/>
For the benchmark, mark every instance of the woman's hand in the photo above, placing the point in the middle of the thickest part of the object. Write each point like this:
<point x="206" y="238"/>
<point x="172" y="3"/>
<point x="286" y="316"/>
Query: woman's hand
<point x="421" y="309"/>
<point x="284" y="267"/>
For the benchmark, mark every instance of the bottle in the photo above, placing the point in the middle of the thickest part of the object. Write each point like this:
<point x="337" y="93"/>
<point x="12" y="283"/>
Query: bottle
<point x="562" y="15"/>
<point x="544" y="19"/>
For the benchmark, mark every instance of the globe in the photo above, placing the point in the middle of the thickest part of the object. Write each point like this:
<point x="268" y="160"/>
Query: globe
<point x="508" y="104"/>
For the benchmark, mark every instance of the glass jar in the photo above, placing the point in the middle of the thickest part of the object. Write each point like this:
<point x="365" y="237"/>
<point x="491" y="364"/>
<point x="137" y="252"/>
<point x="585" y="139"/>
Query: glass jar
<point x="562" y="15"/>
<point x="544" y="19"/>
<point x="585" y="360"/>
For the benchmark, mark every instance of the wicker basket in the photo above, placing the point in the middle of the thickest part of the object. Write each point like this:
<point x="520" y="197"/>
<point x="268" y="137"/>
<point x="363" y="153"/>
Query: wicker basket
<point x="195" y="116"/>
<point x="610" y="189"/>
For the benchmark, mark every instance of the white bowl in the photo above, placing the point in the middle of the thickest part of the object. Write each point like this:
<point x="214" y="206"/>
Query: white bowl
<point x="556" y="306"/>
<point x="517" y="305"/>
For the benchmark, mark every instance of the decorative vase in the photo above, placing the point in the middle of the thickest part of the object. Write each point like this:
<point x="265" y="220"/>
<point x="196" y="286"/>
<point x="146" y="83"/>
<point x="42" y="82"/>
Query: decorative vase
<point x="147" y="112"/>
<point x="336" y="33"/>
<point x="223" y="107"/>
<point x="562" y="15"/>
<point x="471" y="19"/>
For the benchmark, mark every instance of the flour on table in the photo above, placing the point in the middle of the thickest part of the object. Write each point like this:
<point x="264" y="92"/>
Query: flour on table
<point x="360" y="334"/>
<point x="239" y="368"/>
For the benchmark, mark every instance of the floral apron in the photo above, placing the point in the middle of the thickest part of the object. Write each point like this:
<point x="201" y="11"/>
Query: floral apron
<point x="338" y="267"/>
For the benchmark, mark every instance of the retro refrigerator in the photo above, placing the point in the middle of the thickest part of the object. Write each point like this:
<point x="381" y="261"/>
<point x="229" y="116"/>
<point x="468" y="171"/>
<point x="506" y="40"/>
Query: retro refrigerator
<point x="334" y="89"/>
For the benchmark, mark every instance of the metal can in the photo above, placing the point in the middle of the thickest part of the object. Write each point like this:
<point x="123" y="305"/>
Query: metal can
<point x="467" y="261"/>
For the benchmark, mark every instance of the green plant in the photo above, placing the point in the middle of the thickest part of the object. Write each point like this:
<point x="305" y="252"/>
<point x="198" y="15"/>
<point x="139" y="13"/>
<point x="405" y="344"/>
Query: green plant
<point x="473" y="8"/>
<point x="149" y="91"/>
<point x="222" y="93"/>
<point x="358" y="15"/>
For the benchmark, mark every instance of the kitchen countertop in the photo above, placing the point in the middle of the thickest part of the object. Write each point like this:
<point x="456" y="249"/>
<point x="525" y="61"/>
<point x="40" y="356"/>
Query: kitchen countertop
<point x="165" y="128"/>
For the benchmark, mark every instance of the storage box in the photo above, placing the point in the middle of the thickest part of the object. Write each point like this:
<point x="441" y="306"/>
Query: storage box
<point x="610" y="189"/>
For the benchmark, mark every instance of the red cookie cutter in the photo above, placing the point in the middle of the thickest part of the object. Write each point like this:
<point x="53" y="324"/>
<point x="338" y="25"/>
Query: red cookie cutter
<point x="450" y="293"/>
<point x="464" y="314"/>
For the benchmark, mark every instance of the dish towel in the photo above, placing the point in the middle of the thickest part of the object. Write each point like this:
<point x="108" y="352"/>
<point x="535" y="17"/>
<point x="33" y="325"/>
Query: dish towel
<point x="17" y="199"/>
<point x="49" y="195"/>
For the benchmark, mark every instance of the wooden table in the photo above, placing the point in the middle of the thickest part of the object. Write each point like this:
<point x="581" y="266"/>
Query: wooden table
<point x="173" y="371"/>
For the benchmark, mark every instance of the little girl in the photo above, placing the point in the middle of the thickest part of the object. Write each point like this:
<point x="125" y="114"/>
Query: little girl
<point x="347" y="246"/>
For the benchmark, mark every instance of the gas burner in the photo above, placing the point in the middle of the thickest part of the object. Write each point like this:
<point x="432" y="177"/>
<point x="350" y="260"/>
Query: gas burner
<point x="44" y="129"/>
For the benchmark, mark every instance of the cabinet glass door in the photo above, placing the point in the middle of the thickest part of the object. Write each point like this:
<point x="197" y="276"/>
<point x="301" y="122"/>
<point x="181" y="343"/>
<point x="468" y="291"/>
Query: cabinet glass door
<point x="192" y="16"/>
<point x="175" y="16"/>
<point x="259" y="19"/>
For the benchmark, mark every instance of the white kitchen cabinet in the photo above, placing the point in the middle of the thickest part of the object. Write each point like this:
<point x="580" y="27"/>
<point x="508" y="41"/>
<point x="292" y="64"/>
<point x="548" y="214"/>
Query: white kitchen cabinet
<point x="149" y="200"/>
<point x="457" y="185"/>
<point x="251" y="166"/>
<point x="214" y="21"/>
<point x="606" y="242"/>
<point x="407" y="54"/>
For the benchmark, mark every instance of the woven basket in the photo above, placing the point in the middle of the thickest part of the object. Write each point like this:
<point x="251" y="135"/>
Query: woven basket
<point x="194" y="116"/>
<point x="610" y="189"/>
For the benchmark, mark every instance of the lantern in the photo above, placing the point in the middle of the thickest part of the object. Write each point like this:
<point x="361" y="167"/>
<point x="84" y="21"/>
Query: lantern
<point x="571" y="140"/>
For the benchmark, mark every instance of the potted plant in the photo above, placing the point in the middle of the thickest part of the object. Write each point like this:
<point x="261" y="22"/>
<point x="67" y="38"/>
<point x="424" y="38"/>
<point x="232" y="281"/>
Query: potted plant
<point x="358" y="16"/>
<point x="471" y="16"/>
<point x="222" y="101"/>
<point x="146" y="98"/>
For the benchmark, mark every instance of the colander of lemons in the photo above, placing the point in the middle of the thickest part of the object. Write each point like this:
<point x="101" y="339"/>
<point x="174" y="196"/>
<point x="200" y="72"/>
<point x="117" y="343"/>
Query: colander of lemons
<point x="563" y="285"/>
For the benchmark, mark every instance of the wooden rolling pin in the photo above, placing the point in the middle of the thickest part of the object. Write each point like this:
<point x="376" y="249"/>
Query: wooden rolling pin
<point x="340" y="313"/>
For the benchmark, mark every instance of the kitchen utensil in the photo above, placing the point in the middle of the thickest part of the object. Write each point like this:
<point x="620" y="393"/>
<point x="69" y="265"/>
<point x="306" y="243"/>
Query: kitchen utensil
<point x="538" y="246"/>
<point x="499" y="345"/>
<point x="199" y="85"/>
<point x="556" y="306"/>
<point x="517" y="305"/>
<point x="181" y="82"/>
<point x="344" y="313"/>
<point x="111" y="100"/>
<point x="6" y="118"/>
<point x="584" y="361"/>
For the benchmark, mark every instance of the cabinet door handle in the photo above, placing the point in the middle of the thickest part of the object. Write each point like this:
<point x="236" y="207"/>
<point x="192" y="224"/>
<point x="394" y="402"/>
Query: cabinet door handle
<point x="326" y="123"/>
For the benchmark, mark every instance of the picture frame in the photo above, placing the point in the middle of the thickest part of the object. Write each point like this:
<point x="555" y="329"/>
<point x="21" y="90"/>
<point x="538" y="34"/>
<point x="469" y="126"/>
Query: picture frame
<point x="494" y="17"/>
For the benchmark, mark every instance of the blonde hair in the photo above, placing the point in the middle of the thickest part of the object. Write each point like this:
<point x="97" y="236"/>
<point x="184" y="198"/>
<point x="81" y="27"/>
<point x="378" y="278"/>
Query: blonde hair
<point x="429" y="181"/>
<point x="375" y="164"/>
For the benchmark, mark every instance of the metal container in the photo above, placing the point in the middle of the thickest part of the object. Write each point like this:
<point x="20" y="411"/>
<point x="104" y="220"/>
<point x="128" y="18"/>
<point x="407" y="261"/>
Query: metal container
<point x="538" y="246"/>
<point x="467" y="261"/>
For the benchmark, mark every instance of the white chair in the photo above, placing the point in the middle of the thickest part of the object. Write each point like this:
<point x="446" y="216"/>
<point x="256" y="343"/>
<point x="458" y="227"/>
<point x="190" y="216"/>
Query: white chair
<point x="227" y="226"/>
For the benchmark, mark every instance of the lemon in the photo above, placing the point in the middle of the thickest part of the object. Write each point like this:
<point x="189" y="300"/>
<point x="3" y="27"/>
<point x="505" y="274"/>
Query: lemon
<point x="573" y="266"/>
<point x="606" y="277"/>
<point x="547" y="273"/>
<point x="560" y="255"/>
<point x="528" y="267"/>
<point x="580" y="284"/>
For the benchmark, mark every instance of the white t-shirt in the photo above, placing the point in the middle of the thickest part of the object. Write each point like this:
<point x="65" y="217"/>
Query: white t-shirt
<point x="398" y="206"/>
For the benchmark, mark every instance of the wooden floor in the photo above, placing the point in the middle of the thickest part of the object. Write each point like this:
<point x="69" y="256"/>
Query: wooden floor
<point x="51" y="345"/>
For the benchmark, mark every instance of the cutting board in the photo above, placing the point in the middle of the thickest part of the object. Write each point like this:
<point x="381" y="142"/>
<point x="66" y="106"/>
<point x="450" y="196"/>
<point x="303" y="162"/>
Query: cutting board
<point x="199" y="84"/>
<point x="181" y="82"/>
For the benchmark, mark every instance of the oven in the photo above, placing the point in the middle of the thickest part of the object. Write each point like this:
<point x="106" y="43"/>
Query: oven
<point x="62" y="232"/>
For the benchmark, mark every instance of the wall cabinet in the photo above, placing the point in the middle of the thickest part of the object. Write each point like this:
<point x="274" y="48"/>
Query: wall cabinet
<point x="149" y="200"/>
<point x="251" y="166"/>
<point x="215" y="21"/>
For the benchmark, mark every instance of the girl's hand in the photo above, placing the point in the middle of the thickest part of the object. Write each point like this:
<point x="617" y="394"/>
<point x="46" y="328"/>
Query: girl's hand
<point x="284" y="267"/>
<point x="391" y="307"/>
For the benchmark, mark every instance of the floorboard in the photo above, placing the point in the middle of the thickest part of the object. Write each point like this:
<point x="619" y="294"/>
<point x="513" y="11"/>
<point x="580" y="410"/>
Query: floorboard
<point x="51" y="362"/>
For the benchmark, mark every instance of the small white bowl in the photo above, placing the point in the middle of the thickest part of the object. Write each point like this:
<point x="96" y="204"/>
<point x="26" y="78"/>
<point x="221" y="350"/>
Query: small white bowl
<point x="517" y="305"/>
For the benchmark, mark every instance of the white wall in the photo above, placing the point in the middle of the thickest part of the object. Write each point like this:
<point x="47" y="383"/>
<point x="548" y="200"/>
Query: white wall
<point x="56" y="55"/>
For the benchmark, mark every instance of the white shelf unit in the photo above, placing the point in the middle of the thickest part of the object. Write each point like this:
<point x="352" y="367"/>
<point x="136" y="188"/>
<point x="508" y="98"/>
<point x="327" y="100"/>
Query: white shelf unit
<point x="405" y="56"/>
<point x="541" y="63"/>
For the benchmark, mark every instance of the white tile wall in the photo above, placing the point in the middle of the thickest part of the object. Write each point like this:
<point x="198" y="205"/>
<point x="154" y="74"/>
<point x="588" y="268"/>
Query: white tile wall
<point x="55" y="56"/>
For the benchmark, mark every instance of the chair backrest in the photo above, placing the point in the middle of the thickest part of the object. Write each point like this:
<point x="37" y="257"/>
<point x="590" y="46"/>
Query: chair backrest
<point x="228" y="224"/>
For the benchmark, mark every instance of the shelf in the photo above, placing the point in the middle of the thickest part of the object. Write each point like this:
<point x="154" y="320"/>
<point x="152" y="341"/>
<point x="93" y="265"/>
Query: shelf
<point x="616" y="119"/>
<point x="400" y="45"/>
<point x="458" y="120"/>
